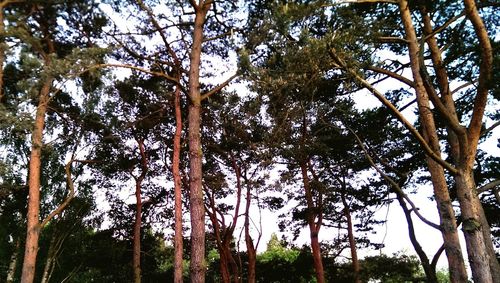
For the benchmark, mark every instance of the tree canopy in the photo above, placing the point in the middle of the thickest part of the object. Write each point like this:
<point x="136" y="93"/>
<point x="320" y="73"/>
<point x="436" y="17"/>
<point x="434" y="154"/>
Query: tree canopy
<point x="157" y="141"/>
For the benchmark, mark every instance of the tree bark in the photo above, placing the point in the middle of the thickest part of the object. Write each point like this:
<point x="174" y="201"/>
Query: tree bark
<point x="136" y="258"/>
<point x="251" y="251"/>
<point x="2" y="49"/>
<point x="33" y="221"/>
<point x="429" y="270"/>
<point x="11" y="273"/>
<point x="178" y="245"/>
<point x="198" y="265"/>
<point x="465" y="181"/>
<point x="453" y="250"/>
<point x="313" y="226"/>
<point x="352" y="240"/>
<point x="463" y="144"/>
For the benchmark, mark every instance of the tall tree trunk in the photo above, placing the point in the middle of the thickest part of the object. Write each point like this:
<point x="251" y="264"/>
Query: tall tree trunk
<point x="11" y="273"/>
<point x="313" y="226"/>
<point x="453" y="250"/>
<point x="198" y="265"/>
<point x="465" y="182"/>
<point x="352" y="240"/>
<point x="453" y="140"/>
<point x="178" y="245"/>
<point x="33" y="221"/>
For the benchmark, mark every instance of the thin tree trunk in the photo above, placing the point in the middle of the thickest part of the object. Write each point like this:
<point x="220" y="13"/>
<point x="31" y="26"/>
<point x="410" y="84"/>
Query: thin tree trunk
<point x="178" y="245"/>
<point x="11" y="273"/>
<point x="251" y="252"/>
<point x="453" y="250"/>
<point x="2" y="48"/>
<point x="49" y="262"/>
<point x="33" y="221"/>
<point x="429" y="270"/>
<point x="352" y="241"/>
<point x="313" y="226"/>
<point x="198" y="265"/>
<point x="136" y="262"/>
<point x="137" y="235"/>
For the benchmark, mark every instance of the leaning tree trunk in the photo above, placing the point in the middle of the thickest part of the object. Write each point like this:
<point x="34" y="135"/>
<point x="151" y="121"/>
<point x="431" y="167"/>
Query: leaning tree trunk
<point x="198" y="265"/>
<point x="429" y="269"/>
<point x="453" y="250"/>
<point x="33" y="221"/>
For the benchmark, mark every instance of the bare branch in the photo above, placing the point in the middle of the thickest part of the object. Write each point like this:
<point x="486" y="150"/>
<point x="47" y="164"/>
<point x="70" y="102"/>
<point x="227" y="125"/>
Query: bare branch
<point x="218" y="88"/>
<point x="444" y="26"/>
<point x="392" y="39"/>
<point x="491" y="128"/>
<point x="393" y="184"/>
<point x="489" y="186"/>
<point x="393" y="75"/>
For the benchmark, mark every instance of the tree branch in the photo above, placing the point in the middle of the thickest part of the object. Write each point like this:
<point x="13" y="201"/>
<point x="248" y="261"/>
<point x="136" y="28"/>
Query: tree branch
<point x="428" y="150"/>
<point x="393" y="184"/>
<point x="68" y="199"/>
<point x="393" y="75"/>
<point x="490" y="185"/>
<point x="218" y="88"/>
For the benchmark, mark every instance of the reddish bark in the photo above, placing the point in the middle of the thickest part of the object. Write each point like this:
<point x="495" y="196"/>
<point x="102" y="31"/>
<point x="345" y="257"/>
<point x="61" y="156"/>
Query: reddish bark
<point x="33" y="221"/>
<point x="314" y="226"/>
<point x="178" y="266"/>
<point x="352" y="241"/>
<point x="224" y="233"/>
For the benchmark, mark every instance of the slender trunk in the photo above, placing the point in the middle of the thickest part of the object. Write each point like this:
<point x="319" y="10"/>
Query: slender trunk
<point x="453" y="250"/>
<point x="352" y="241"/>
<point x="2" y="51"/>
<point x="198" y="265"/>
<point x="136" y="261"/>
<point x="137" y="234"/>
<point x="251" y="252"/>
<point x="49" y="262"/>
<point x="177" y="189"/>
<point x="11" y="273"/>
<point x="429" y="270"/>
<point x="33" y="221"/>
<point x="313" y="226"/>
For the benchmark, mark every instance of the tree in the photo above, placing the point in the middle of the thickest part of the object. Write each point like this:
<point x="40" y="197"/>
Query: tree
<point x="192" y="33"/>
<point x="35" y="27"/>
